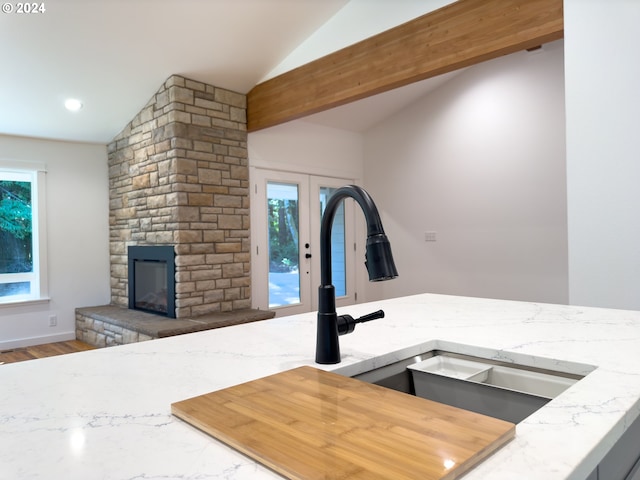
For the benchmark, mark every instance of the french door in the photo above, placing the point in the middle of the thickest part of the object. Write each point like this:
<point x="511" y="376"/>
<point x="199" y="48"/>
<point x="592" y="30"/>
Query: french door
<point x="286" y="214"/>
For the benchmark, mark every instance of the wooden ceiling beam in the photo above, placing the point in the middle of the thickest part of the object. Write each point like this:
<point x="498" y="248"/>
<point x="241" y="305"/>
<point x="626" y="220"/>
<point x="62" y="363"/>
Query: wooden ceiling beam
<point x="458" y="35"/>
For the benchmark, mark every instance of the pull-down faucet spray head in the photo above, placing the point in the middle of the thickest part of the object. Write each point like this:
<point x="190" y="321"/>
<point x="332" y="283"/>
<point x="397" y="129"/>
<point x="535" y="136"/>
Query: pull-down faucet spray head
<point x="379" y="263"/>
<point x="378" y="259"/>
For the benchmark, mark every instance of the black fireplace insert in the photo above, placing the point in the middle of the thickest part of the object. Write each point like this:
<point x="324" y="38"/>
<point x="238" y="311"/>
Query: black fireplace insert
<point x="152" y="284"/>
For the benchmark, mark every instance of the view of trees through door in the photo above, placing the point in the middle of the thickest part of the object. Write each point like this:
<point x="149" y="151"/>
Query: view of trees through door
<point x="284" y="244"/>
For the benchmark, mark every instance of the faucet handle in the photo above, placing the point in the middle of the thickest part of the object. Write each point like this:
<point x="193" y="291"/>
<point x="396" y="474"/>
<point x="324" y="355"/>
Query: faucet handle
<point x="371" y="316"/>
<point x="347" y="324"/>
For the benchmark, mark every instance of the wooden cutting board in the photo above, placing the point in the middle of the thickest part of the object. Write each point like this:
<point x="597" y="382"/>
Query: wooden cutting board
<point x="307" y="424"/>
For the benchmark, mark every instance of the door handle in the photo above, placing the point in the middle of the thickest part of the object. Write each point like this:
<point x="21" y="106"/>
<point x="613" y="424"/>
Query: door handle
<point x="307" y="255"/>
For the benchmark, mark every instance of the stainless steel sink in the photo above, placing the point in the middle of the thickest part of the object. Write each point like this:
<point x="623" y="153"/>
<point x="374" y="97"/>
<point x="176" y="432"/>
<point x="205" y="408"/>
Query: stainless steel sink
<point x="499" y="389"/>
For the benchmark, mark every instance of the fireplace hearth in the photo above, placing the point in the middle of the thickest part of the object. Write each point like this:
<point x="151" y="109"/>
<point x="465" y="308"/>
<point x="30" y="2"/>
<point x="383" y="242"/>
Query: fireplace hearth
<point x="152" y="279"/>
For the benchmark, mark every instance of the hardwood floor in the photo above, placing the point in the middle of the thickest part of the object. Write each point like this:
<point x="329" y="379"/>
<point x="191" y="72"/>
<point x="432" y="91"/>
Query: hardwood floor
<point x="42" y="351"/>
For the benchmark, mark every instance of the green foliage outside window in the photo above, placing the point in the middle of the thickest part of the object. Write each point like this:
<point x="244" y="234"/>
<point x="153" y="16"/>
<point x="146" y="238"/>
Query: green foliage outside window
<point x="15" y="227"/>
<point x="283" y="235"/>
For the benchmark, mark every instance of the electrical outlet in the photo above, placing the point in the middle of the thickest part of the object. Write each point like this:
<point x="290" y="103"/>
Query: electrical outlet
<point x="53" y="320"/>
<point x="429" y="236"/>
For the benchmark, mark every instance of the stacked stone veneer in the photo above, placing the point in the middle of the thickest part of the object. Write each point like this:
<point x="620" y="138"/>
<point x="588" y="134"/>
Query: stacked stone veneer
<point x="178" y="175"/>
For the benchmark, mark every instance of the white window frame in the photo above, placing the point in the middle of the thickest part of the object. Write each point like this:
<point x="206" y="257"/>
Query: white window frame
<point x="35" y="172"/>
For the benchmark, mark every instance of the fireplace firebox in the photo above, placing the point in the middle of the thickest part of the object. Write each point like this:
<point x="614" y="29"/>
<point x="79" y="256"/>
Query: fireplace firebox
<point x="152" y="285"/>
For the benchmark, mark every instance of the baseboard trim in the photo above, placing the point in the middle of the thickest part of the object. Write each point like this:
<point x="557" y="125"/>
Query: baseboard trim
<point x="28" y="342"/>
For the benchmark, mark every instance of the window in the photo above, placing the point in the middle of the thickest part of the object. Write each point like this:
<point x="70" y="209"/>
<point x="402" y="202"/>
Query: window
<point x="22" y="229"/>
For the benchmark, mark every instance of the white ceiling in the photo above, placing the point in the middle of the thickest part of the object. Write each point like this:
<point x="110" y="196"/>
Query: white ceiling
<point x="114" y="55"/>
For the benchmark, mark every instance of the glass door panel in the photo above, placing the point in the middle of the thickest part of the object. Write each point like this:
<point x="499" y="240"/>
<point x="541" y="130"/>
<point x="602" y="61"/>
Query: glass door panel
<point x="342" y="239"/>
<point x="284" y="244"/>
<point x="280" y="258"/>
<point x="338" y="243"/>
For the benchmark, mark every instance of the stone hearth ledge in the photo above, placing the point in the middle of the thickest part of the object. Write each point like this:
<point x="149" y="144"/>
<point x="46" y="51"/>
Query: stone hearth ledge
<point x="107" y="412"/>
<point x="108" y="325"/>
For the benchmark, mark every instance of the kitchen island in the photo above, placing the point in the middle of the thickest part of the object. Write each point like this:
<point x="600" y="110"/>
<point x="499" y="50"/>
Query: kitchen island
<point x="106" y="413"/>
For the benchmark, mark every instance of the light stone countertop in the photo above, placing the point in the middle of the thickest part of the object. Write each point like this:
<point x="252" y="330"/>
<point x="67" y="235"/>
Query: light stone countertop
<point x="105" y="414"/>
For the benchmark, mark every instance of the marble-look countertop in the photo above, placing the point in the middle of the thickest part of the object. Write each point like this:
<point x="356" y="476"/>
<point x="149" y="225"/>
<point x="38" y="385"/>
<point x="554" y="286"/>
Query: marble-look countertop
<point x="106" y="413"/>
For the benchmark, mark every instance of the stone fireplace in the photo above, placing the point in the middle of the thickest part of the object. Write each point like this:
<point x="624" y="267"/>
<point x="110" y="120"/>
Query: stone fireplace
<point x="178" y="175"/>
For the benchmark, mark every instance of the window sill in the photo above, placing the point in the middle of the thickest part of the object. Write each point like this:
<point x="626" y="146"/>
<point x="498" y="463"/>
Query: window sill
<point x="24" y="303"/>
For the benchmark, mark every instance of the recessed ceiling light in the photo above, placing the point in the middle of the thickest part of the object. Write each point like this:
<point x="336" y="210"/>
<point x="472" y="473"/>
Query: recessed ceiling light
<point x="73" y="104"/>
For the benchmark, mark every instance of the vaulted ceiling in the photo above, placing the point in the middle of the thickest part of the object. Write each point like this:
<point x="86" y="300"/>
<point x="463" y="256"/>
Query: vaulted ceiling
<point x="114" y="54"/>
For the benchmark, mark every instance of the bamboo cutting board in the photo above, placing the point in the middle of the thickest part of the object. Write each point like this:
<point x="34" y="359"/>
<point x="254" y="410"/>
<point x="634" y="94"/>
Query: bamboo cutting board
<point x="309" y="424"/>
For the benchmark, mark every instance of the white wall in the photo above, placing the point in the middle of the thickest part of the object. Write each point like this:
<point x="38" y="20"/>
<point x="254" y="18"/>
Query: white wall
<point x="481" y="162"/>
<point x="304" y="147"/>
<point x="603" y="151"/>
<point x="77" y="236"/>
